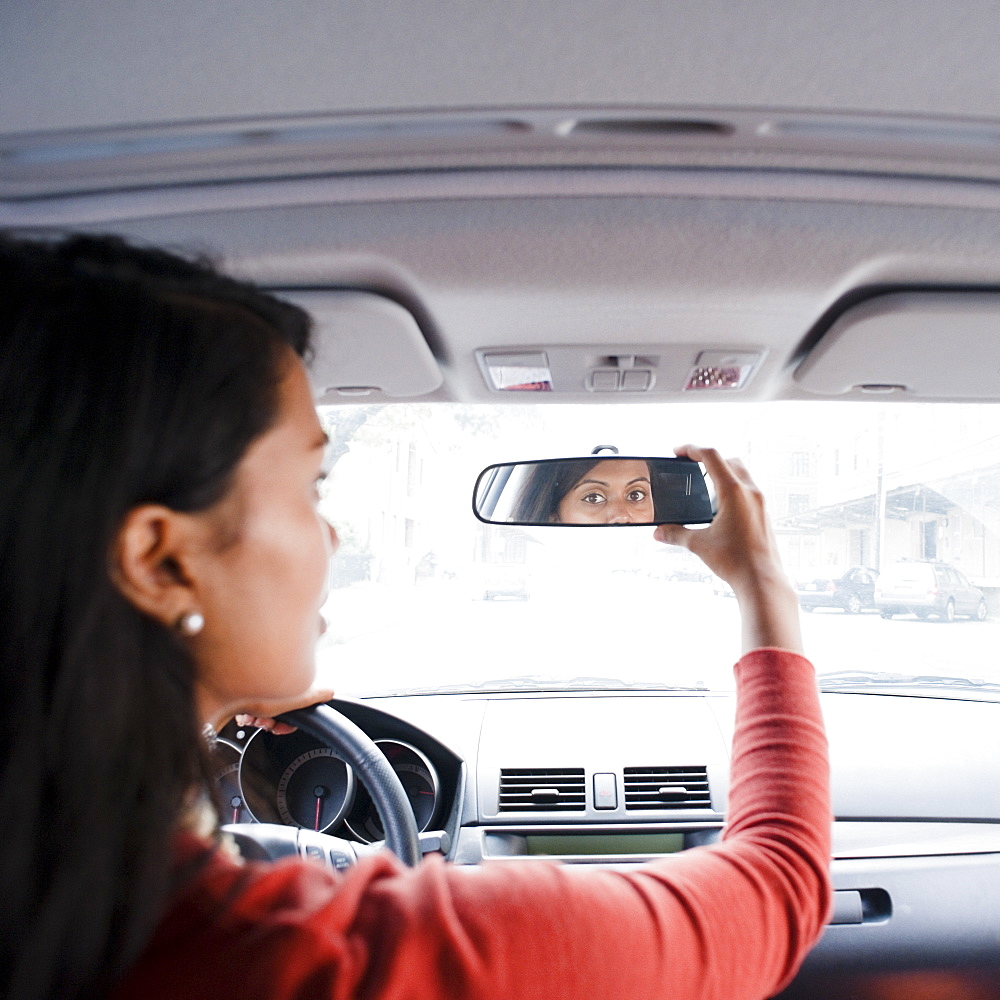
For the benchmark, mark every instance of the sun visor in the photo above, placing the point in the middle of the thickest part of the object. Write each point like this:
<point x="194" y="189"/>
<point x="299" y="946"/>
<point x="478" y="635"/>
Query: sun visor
<point x="365" y="345"/>
<point x="925" y="345"/>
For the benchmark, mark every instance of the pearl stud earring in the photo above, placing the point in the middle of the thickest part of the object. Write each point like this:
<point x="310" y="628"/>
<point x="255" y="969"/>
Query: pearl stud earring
<point x="191" y="623"/>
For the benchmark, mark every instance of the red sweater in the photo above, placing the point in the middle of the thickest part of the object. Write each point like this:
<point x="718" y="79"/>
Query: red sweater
<point x="731" y="920"/>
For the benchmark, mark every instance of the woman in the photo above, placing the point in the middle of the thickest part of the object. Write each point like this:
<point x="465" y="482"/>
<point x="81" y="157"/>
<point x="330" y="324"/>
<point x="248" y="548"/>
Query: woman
<point x="163" y="565"/>
<point x="586" y="491"/>
<point x="133" y="386"/>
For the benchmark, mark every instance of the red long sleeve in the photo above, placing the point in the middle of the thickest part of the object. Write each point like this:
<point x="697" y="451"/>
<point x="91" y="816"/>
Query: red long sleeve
<point x="731" y="920"/>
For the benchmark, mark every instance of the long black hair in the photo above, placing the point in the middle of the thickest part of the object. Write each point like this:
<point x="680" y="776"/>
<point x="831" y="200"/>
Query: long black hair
<point x="545" y="485"/>
<point x="127" y="375"/>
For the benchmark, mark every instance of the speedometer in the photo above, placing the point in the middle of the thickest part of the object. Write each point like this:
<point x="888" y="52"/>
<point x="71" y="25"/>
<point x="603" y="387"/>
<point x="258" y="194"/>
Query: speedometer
<point x="315" y="790"/>
<point x="295" y="780"/>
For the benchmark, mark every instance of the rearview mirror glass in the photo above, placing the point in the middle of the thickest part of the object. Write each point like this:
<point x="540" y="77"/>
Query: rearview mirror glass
<point x="596" y="490"/>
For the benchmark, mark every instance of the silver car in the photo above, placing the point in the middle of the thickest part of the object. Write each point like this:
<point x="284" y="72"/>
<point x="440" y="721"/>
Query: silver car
<point x="926" y="589"/>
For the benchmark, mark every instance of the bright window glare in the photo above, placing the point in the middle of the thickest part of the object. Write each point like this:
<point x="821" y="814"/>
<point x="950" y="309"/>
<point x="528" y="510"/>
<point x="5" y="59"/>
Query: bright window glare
<point x="424" y="596"/>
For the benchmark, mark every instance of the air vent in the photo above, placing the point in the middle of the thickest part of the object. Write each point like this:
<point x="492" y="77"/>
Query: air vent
<point x="547" y="789"/>
<point x="667" y="788"/>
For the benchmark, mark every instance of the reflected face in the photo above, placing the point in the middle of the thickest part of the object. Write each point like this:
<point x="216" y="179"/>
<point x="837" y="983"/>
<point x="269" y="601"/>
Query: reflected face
<point x="612" y="492"/>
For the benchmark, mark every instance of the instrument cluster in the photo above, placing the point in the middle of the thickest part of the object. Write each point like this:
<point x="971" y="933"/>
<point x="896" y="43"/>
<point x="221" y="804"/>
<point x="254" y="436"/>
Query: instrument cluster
<point x="295" y="780"/>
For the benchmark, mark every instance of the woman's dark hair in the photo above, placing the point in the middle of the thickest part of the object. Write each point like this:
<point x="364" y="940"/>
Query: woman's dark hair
<point x="544" y="487"/>
<point x="127" y="376"/>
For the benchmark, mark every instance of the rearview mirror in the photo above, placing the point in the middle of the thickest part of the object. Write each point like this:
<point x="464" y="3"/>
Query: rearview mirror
<point x="597" y="490"/>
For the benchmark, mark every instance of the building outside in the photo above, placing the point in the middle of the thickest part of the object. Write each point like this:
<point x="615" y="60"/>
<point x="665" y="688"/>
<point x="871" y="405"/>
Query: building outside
<point x="878" y="497"/>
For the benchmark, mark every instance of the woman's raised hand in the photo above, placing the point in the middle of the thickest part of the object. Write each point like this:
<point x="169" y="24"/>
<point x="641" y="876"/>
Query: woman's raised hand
<point x="739" y="547"/>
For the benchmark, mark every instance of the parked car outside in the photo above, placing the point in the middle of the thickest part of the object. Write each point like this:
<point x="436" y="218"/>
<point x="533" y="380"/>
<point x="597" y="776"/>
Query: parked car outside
<point x="928" y="588"/>
<point x="853" y="591"/>
<point x="683" y="567"/>
<point x="505" y="581"/>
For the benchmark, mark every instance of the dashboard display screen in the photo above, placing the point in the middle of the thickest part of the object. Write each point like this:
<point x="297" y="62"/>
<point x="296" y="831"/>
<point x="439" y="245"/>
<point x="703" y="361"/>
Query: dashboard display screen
<point x="603" y="844"/>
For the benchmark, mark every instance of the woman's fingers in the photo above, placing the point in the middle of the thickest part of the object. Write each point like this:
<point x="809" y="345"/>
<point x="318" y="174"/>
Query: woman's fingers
<point x="738" y="537"/>
<point x="265" y="722"/>
<point x="741" y="472"/>
<point x="723" y="471"/>
<point x="672" y="534"/>
<point x="263" y="715"/>
<point x="718" y="467"/>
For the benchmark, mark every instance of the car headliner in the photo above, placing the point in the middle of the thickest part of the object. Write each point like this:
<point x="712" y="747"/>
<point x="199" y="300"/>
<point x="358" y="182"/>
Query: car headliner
<point x="717" y="175"/>
<point x="106" y="63"/>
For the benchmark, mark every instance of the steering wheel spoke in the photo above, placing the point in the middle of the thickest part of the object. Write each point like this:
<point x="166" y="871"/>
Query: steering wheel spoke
<point x="271" y="841"/>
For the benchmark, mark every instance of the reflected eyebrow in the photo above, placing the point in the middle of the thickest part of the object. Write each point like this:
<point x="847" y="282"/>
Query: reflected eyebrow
<point x="598" y="482"/>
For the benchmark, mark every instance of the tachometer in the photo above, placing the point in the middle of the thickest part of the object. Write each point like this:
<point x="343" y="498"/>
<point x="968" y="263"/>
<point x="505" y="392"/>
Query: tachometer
<point x="419" y="781"/>
<point x="226" y="759"/>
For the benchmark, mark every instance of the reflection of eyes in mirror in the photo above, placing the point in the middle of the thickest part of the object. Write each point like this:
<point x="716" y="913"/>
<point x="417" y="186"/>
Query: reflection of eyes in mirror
<point x="611" y="493"/>
<point x="597" y="490"/>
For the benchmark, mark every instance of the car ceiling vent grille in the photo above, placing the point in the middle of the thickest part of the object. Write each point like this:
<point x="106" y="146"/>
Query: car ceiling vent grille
<point x="547" y="789"/>
<point x="667" y="788"/>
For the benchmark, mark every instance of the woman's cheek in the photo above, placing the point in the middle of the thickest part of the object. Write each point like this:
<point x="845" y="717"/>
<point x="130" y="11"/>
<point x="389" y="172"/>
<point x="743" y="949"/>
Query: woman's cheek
<point x="318" y="552"/>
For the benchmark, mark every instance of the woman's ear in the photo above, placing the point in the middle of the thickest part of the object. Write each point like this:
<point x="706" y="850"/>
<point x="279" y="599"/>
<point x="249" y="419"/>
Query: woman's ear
<point x="149" y="562"/>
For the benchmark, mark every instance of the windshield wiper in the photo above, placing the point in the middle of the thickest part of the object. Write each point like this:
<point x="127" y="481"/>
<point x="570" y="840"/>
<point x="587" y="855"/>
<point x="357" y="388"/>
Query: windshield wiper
<point x="870" y="678"/>
<point x="534" y="683"/>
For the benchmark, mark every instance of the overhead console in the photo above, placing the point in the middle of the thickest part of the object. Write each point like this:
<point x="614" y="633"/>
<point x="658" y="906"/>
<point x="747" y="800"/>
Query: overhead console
<point x="616" y="370"/>
<point x="910" y="344"/>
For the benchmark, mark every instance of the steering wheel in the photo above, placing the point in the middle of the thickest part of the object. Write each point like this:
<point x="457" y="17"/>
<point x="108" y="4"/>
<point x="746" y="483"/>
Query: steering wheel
<point x="337" y="732"/>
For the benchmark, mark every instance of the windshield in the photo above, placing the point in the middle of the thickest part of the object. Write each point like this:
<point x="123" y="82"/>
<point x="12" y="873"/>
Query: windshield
<point x="888" y="520"/>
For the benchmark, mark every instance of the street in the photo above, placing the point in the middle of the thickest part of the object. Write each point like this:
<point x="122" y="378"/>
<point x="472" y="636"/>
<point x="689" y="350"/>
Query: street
<point x="628" y="627"/>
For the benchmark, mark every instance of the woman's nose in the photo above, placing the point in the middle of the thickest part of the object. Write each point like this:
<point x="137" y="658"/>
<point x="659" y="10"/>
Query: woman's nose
<point x="619" y="513"/>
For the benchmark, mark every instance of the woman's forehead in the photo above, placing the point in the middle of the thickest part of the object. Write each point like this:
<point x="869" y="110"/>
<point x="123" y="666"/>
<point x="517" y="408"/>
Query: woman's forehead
<point x="618" y="470"/>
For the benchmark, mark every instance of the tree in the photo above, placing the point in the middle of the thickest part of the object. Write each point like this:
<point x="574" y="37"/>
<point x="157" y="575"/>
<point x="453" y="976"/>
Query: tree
<point x="341" y="423"/>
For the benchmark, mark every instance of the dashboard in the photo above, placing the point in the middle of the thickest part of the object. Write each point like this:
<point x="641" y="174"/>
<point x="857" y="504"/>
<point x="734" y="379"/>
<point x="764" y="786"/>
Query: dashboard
<point x="617" y="779"/>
